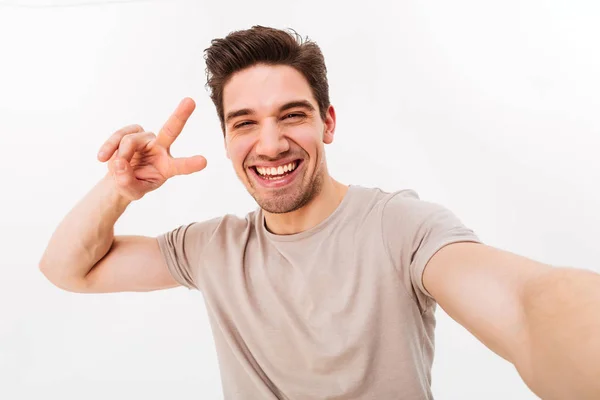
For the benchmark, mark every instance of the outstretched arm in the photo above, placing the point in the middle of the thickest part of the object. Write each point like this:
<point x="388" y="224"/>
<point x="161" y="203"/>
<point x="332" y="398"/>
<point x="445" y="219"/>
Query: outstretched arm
<point x="543" y="319"/>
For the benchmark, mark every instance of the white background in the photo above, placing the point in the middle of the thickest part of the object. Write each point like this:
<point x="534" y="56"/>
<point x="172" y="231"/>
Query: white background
<point x="490" y="108"/>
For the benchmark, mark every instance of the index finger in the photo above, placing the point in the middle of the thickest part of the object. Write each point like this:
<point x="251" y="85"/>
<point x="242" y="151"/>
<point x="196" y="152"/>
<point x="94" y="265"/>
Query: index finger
<point x="172" y="128"/>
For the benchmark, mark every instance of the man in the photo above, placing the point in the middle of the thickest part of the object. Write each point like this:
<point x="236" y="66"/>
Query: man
<point x="326" y="290"/>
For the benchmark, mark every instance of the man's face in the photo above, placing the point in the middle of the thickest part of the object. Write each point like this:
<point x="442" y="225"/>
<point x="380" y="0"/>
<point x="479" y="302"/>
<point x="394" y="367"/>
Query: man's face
<point x="275" y="137"/>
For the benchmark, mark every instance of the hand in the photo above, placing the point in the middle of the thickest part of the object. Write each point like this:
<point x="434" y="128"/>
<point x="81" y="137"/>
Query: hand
<point x="140" y="161"/>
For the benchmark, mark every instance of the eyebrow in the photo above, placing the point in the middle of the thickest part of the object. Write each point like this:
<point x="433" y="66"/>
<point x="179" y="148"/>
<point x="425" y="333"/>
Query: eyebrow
<point x="292" y="104"/>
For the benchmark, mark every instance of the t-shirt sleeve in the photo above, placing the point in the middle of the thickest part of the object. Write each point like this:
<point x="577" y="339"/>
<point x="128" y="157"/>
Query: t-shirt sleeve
<point x="182" y="249"/>
<point x="414" y="230"/>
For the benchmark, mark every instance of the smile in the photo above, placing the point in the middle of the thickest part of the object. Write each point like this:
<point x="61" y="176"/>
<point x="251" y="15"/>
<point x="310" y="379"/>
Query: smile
<point x="276" y="172"/>
<point x="272" y="176"/>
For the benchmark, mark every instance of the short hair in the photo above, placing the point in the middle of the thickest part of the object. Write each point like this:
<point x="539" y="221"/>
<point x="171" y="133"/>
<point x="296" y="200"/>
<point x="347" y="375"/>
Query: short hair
<point x="263" y="45"/>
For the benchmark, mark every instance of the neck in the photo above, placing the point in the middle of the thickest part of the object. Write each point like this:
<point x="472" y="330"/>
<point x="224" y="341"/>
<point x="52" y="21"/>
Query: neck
<point x="311" y="214"/>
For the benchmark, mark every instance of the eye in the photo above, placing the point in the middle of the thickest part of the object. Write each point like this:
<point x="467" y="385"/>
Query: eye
<point x="293" y="115"/>
<point x="242" y="124"/>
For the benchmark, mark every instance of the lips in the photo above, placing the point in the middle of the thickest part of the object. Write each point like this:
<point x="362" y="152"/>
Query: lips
<point x="276" y="175"/>
<point x="276" y="171"/>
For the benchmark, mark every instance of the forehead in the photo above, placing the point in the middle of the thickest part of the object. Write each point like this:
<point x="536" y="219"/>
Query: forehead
<point x="264" y="88"/>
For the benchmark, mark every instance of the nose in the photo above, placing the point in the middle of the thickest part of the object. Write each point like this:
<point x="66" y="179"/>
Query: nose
<point x="271" y="140"/>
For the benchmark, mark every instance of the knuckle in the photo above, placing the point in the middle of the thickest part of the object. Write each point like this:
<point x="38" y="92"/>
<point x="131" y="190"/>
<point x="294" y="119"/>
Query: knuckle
<point x="130" y="129"/>
<point x="178" y="119"/>
<point x="126" y="140"/>
<point x="114" y="141"/>
<point x="168" y="131"/>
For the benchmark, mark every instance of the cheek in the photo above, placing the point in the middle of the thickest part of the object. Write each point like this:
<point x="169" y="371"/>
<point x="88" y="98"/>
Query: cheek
<point x="309" y="137"/>
<point x="310" y="143"/>
<point x="238" y="149"/>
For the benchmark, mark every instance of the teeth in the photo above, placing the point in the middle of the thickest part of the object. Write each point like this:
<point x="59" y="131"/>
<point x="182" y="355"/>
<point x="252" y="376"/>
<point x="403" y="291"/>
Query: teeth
<point x="274" y="171"/>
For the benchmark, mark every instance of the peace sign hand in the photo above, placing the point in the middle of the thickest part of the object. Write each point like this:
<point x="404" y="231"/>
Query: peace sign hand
<point x="140" y="161"/>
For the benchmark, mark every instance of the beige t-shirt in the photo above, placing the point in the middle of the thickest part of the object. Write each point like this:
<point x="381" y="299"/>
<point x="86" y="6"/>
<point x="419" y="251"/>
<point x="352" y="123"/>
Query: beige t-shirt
<point x="335" y="312"/>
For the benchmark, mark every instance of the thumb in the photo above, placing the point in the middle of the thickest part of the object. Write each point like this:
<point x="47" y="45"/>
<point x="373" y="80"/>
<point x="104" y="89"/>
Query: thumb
<point x="189" y="165"/>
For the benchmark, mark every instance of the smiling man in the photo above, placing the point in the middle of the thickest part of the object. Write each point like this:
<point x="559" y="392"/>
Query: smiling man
<point x="326" y="290"/>
<point x="274" y="135"/>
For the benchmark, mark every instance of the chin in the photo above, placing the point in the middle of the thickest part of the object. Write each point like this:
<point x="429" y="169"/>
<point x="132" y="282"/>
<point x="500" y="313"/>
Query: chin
<point x="287" y="199"/>
<point x="283" y="204"/>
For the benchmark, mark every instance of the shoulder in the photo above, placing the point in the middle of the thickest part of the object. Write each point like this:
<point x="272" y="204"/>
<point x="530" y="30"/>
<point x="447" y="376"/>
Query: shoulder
<point x="395" y="204"/>
<point x="202" y="232"/>
<point x="408" y="207"/>
<point x="407" y="217"/>
<point x="228" y="225"/>
<point x="399" y="215"/>
<point x="234" y="226"/>
<point x="412" y="224"/>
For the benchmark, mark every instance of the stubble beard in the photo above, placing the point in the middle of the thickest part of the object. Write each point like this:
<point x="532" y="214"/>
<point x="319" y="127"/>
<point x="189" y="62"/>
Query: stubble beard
<point x="289" y="199"/>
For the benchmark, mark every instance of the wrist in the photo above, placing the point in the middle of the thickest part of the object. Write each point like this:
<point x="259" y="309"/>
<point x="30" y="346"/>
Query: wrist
<point x="113" y="195"/>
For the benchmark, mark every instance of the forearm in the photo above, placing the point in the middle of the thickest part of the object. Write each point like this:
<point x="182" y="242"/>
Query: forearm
<point x="84" y="235"/>
<point x="562" y="310"/>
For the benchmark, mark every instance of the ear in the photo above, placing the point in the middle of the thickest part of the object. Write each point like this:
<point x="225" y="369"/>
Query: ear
<point x="329" y="126"/>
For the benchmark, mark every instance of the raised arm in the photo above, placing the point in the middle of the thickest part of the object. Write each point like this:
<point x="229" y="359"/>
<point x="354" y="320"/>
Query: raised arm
<point x="83" y="255"/>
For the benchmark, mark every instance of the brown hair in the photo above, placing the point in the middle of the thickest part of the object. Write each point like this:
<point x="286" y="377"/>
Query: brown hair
<point x="263" y="45"/>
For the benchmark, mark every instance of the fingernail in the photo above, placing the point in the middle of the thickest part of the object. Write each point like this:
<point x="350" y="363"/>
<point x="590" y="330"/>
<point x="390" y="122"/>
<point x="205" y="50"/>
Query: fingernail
<point x="101" y="154"/>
